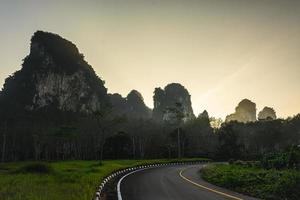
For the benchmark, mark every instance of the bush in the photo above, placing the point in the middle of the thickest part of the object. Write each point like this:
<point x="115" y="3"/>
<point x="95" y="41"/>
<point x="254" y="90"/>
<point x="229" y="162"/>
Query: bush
<point x="245" y="163"/>
<point x="231" y="161"/>
<point x="39" y="167"/>
<point x="266" y="184"/>
<point x="289" y="158"/>
<point x="239" y="162"/>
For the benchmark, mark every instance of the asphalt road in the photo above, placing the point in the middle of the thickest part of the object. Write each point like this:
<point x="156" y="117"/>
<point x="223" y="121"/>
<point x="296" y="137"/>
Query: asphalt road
<point x="173" y="183"/>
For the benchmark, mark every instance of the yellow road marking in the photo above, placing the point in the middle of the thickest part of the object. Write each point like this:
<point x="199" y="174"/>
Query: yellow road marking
<point x="204" y="187"/>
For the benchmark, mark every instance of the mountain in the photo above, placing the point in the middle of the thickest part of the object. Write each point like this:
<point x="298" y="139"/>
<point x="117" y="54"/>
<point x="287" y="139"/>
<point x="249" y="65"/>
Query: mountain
<point x="204" y="115"/>
<point x="132" y="106"/>
<point x="267" y="113"/>
<point x="244" y="112"/>
<point x="54" y="76"/>
<point x="173" y="96"/>
<point x="136" y="105"/>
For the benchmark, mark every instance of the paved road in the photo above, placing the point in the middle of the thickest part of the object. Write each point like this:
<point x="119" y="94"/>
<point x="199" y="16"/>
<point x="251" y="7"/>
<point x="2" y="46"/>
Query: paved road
<point x="173" y="183"/>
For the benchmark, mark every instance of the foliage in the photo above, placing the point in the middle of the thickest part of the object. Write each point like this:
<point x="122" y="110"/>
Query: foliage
<point x="289" y="158"/>
<point x="245" y="163"/>
<point x="36" y="167"/>
<point x="118" y="146"/>
<point x="266" y="184"/>
<point x="249" y="141"/>
<point x="52" y="135"/>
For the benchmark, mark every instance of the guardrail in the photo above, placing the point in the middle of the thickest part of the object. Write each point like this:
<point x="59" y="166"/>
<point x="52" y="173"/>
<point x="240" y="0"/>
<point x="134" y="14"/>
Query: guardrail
<point x="131" y="169"/>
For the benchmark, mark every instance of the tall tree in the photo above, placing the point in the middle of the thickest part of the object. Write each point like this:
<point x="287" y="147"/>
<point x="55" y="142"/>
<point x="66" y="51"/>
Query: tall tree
<point x="4" y="142"/>
<point x="105" y="123"/>
<point x="177" y="116"/>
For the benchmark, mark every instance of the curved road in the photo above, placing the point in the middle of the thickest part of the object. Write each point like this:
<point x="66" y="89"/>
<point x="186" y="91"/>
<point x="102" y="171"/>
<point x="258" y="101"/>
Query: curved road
<point x="173" y="183"/>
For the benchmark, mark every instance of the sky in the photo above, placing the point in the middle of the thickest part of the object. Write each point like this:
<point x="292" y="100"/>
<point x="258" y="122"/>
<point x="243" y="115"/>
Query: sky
<point x="222" y="51"/>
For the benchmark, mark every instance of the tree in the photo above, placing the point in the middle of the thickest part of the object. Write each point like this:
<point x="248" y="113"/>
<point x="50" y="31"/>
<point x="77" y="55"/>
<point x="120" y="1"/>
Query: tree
<point x="177" y="115"/>
<point x="105" y="122"/>
<point x="215" y="122"/>
<point x="118" y="146"/>
<point x="4" y="142"/>
<point x="229" y="144"/>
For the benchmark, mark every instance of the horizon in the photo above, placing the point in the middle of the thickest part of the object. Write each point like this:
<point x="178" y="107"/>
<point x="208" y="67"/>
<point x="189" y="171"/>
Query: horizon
<point x="209" y="48"/>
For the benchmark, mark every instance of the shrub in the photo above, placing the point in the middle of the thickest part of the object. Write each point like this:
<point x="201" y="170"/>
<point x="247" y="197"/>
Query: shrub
<point x="231" y="161"/>
<point x="289" y="158"/>
<point x="38" y="167"/>
<point x="266" y="184"/>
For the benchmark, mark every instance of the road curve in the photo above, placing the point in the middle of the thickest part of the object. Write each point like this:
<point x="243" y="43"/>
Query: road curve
<point x="173" y="183"/>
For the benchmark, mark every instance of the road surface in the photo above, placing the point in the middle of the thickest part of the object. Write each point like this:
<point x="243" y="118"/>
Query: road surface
<point x="173" y="183"/>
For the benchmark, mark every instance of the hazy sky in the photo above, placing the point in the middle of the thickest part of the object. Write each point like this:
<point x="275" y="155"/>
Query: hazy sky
<point x="221" y="50"/>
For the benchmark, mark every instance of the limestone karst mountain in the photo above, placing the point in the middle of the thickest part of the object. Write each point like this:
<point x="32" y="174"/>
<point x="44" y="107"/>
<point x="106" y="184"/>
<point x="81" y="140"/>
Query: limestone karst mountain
<point x="204" y="115"/>
<point x="267" y="113"/>
<point x="132" y="106"/>
<point x="172" y="95"/>
<point x="54" y="75"/>
<point x="119" y="104"/>
<point x="136" y="105"/>
<point x="244" y="112"/>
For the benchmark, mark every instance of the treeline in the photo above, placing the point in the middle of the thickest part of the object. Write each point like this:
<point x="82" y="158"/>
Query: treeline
<point x="250" y="140"/>
<point x="52" y="135"/>
<point x="41" y="136"/>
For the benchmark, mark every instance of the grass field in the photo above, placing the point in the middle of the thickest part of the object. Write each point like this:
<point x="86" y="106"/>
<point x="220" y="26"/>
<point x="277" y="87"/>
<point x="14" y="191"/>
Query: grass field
<point x="68" y="180"/>
<point x="266" y="184"/>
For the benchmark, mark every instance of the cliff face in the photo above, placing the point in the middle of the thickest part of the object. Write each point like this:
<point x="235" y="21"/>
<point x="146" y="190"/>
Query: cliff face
<point x="54" y="75"/>
<point x="136" y="105"/>
<point x="267" y="113"/>
<point x="174" y="96"/>
<point x="244" y="112"/>
<point x="132" y="106"/>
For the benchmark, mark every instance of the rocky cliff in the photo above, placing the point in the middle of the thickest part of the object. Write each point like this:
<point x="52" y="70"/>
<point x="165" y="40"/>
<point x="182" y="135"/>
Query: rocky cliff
<point x="267" y="113"/>
<point x="54" y="75"/>
<point x="244" y="112"/>
<point x="132" y="106"/>
<point x="166" y="101"/>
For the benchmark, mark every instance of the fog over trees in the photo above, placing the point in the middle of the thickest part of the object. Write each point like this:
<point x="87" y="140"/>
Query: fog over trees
<point x="57" y="108"/>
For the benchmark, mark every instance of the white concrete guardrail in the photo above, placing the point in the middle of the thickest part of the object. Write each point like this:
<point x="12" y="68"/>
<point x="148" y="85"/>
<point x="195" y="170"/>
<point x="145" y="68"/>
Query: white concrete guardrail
<point x="130" y="170"/>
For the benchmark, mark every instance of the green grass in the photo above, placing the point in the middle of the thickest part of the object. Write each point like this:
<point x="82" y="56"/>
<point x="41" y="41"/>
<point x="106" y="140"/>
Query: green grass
<point x="68" y="180"/>
<point x="266" y="184"/>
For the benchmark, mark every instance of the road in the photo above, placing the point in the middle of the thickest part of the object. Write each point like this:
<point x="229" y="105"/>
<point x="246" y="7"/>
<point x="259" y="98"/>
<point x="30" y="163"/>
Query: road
<point x="173" y="183"/>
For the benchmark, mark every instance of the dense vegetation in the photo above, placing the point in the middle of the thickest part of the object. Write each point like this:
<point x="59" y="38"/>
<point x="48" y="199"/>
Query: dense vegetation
<point x="276" y="176"/>
<point x="69" y="180"/>
<point x="266" y="184"/>
<point x="53" y="136"/>
<point x="249" y="141"/>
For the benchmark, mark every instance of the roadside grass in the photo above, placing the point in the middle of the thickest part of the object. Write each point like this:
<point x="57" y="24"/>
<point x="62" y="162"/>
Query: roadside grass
<point x="254" y="181"/>
<point x="66" y="180"/>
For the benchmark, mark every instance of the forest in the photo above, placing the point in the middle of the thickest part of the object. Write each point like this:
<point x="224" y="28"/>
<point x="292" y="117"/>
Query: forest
<point x="104" y="136"/>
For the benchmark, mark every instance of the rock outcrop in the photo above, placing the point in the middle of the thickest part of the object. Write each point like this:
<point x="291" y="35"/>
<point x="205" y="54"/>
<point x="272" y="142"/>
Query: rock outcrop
<point x="204" y="115"/>
<point x="133" y="106"/>
<point x="119" y="104"/>
<point x="267" y="113"/>
<point x="173" y="97"/>
<point x="54" y="75"/>
<point x="244" y="112"/>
